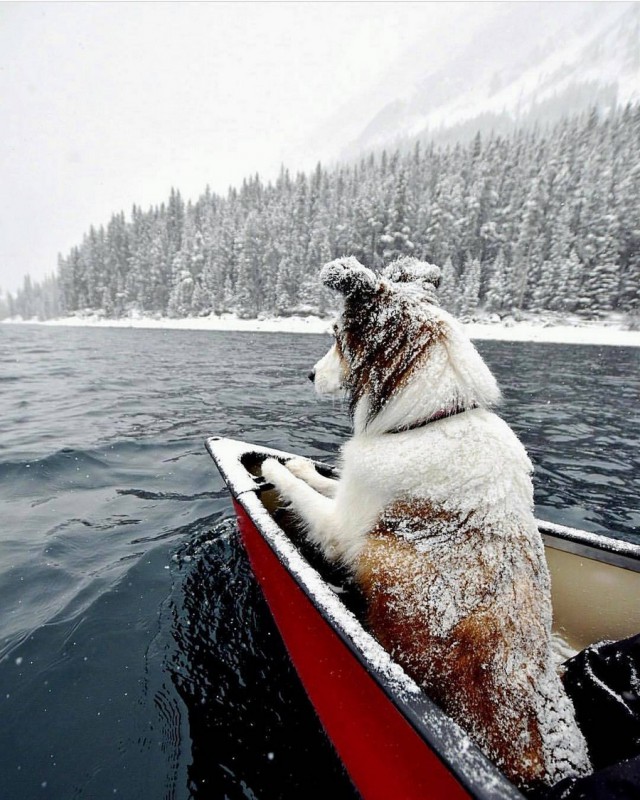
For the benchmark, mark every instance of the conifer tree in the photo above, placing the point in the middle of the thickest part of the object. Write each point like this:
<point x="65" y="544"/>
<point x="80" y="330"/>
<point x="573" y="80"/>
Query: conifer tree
<point x="550" y="217"/>
<point x="448" y="294"/>
<point x="470" y="289"/>
<point x="496" y="297"/>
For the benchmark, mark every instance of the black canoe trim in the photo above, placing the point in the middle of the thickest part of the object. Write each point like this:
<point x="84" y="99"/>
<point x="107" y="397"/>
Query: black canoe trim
<point x="594" y="546"/>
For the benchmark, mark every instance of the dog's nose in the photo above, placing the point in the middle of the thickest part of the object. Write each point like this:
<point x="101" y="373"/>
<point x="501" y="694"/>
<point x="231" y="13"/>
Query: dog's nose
<point x="312" y="375"/>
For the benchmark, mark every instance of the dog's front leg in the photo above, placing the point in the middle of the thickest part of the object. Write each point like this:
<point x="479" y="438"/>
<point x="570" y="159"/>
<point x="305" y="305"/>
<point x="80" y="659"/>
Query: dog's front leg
<point x="303" y="468"/>
<point x="315" y="511"/>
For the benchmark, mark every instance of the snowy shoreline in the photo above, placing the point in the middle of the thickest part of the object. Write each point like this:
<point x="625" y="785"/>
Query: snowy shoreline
<point x="608" y="333"/>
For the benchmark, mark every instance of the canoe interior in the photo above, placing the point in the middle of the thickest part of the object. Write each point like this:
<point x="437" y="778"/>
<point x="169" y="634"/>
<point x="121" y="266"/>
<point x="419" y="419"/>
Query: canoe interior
<point x="595" y="592"/>
<point x="592" y="600"/>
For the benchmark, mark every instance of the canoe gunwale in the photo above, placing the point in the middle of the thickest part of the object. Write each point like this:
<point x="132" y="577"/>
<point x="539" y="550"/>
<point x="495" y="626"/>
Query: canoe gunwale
<point x="594" y="546"/>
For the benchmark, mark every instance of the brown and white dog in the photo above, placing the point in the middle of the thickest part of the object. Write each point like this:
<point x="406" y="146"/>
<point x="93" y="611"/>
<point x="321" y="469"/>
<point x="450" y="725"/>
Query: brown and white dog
<point x="433" y="514"/>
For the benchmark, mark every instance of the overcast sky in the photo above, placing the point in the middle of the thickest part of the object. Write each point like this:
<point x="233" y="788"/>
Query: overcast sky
<point x="109" y="104"/>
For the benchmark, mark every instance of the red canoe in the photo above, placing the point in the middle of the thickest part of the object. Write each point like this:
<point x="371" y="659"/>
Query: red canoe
<point x="393" y="740"/>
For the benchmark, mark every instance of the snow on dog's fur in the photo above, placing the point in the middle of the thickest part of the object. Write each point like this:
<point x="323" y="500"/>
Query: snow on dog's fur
<point x="433" y="515"/>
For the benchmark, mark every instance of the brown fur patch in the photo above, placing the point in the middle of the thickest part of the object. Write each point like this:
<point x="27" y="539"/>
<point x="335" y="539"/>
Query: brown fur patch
<point x="384" y="338"/>
<point x="471" y="651"/>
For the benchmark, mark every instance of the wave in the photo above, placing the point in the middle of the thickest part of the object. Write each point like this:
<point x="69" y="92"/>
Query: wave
<point x="143" y="494"/>
<point x="62" y="462"/>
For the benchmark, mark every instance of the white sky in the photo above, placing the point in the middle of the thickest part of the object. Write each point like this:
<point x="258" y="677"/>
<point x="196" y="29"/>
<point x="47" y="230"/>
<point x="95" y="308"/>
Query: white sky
<point x="104" y="105"/>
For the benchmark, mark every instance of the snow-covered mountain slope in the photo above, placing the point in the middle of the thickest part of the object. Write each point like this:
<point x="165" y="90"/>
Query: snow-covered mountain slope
<point x="530" y="62"/>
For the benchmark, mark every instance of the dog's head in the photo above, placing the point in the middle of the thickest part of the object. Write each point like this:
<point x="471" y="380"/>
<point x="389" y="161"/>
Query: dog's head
<point x="393" y="342"/>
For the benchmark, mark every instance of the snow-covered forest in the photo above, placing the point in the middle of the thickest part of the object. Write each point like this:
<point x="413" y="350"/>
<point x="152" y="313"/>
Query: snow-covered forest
<point x="534" y="221"/>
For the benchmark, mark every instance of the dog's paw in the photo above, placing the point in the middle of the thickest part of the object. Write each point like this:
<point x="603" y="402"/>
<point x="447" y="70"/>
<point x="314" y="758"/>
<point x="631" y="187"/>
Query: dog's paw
<point x="301" y="468"/>
<point x="274" y="472"/>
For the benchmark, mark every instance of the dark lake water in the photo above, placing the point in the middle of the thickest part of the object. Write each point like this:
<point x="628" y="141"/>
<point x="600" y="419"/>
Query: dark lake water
<point x="137" y="659"/>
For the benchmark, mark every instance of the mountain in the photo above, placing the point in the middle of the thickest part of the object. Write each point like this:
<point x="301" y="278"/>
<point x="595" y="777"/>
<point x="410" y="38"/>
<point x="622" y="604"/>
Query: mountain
<point x="528" y="63"/>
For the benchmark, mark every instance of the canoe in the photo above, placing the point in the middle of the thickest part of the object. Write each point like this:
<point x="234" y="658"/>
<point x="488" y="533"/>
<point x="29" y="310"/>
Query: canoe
<point x="392" y="739"/>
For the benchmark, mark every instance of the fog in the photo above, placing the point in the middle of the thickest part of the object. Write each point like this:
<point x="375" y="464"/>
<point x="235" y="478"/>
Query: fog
<point x="107" y="105"/>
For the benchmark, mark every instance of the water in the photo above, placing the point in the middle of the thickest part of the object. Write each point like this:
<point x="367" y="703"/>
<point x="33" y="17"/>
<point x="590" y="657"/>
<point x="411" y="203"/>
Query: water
<point x="137" y="658"/>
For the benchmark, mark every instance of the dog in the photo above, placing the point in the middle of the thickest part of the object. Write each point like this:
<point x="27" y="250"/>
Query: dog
<point x="433" y="516"/>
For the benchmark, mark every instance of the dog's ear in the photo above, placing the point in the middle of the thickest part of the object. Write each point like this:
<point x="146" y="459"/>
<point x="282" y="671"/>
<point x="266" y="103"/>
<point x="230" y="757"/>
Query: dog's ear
<point x="411" y="270"/>
<point x="348" y="276"/>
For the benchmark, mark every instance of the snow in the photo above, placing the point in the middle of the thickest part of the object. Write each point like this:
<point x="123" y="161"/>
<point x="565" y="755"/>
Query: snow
<point x="575" y="331"/>
<point x="588" y="537"/>
<point x="560" y="334"/>
<point x="225" y="322"/>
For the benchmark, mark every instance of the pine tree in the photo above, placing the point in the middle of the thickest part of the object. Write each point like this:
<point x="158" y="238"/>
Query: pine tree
<point x="448" y="294"/>
<point x="626" y="207"/>
<point x="285" y="287"/>
<point x="497" y="299"/>
<point x="528" y="254"/>
<point x="470" y="289"/>
<point x="248" y="289"/>
<point x="397" y="237"/>
<point x="570" y="282"/>
<point x="601" y="255"/>
<point x="202" y="301"/>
